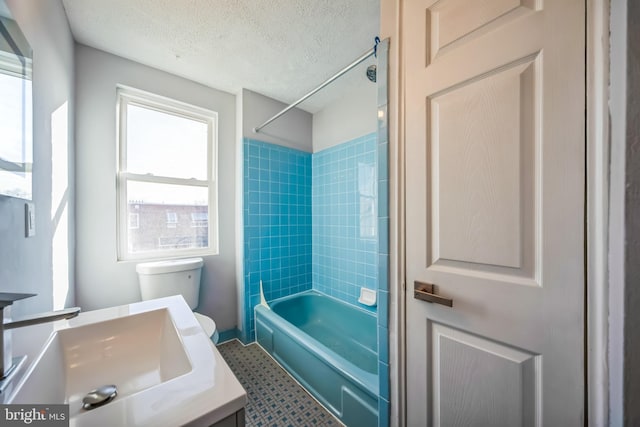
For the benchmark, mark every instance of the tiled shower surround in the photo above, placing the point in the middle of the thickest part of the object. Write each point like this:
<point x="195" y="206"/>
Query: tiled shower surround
<point x="277" y="224"/>
<point x="344" y="218"/>
<point x="310" y="221"/>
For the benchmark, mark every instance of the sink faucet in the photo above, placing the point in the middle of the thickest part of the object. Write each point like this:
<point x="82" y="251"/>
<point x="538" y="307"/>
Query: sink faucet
<point x="9" y="365"/>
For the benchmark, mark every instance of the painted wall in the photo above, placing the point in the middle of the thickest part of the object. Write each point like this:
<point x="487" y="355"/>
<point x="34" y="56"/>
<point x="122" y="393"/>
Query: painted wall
<point x="345" y="222"/>
<point x="292" y="130"/>
<point x="277" y="218"/>
<point x="44" y="264"/>
<point x="347" y="118"/>
<point x="102" y="281"/>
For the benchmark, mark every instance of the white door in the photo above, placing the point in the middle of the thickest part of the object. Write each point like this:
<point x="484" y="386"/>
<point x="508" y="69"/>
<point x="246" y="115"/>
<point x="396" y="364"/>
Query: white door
<point x="495" y="148"/>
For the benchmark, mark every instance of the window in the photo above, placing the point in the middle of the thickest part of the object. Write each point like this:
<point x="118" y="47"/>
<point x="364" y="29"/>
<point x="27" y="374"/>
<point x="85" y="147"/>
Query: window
<point x="199" y="219"/>
<point x="134" y="221"/>
<point x="172" y="219"/>
<point x="16" y="124"/>
<point x="166" y="171"/>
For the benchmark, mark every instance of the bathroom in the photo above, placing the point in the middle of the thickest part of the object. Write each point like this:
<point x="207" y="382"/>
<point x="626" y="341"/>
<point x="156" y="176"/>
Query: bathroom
<point x="275" y="230"/>
<point x="76" y="88"/>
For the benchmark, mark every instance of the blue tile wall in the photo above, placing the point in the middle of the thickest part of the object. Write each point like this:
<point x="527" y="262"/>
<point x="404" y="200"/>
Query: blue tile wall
<point x="277" y="224"/>
<point x="384" y="409"/>
<point x="345" y="218"/>
<point x="383" y="375"/>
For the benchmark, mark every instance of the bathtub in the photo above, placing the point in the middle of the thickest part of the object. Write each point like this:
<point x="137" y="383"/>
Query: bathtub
<point x="330" y="347"/>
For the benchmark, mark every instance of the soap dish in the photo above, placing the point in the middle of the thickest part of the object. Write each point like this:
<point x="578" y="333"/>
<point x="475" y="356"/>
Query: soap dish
<point x="367" y="297"/>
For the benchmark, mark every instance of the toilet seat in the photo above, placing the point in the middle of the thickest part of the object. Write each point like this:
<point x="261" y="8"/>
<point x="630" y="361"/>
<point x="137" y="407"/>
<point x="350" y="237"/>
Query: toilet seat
<point x="208" y="325"/>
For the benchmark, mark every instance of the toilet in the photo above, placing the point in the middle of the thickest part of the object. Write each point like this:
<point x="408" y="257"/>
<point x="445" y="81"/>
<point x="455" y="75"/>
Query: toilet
<point x="176" y="277"/>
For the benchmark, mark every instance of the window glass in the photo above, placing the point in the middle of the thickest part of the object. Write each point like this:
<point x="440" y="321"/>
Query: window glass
<point x="160" y="208"/>
<point x="178" y="144"/>
<point x="16" y="156"/>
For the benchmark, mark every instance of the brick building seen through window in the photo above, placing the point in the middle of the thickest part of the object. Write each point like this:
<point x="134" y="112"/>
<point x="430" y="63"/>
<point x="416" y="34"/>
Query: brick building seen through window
<point x="167" y="226"/>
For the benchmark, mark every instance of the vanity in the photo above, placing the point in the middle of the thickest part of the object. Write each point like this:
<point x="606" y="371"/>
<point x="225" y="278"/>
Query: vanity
<point x="167" y="372"/>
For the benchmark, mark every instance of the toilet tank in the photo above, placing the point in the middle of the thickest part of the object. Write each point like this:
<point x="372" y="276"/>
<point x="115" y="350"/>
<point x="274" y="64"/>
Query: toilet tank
<point x="173" y="277"/>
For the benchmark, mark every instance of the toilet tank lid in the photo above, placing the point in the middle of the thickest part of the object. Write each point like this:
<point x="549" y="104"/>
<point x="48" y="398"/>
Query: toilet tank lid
<point x="169" y="266"/>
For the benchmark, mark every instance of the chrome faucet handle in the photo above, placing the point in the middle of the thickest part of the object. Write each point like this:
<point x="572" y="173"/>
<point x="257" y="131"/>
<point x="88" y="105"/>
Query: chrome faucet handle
<point x="35" y="319"/>
<point x="8" y="364"/>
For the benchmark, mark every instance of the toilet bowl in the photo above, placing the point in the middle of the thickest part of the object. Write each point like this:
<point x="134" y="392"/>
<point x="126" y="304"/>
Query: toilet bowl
<point x="175" y="277"/>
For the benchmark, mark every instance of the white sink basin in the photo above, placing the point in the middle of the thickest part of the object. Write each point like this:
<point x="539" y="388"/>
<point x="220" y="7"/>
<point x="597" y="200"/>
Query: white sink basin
<point x="133" y="352"/>
<point x="166" y="370"/>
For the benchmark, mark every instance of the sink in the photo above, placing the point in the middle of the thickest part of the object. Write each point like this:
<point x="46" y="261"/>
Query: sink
<point x="134" y="352"/>
<point x="166" y="370"/>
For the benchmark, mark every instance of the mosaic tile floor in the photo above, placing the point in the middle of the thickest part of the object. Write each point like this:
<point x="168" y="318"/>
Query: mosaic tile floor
<point x="274" y="398"/>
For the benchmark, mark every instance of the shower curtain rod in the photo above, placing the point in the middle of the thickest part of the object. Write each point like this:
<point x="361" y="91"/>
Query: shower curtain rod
<point x="322" y="85"/>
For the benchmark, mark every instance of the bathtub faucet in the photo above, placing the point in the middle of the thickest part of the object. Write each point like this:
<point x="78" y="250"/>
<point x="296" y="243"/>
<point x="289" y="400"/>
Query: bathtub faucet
<point x="8" y="364"/>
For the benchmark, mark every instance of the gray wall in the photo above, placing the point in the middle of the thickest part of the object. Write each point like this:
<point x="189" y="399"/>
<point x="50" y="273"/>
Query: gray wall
<point x="624" y="238"/>
<point x="291" y="130"/>
<point x="351" y="116"/>
<point x="38" y="263"/>
<point x="102" y="281"/>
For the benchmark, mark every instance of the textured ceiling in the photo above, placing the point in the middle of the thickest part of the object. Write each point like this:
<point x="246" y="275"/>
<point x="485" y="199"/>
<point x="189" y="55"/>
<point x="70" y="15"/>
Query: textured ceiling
<point x="280" y="48"/>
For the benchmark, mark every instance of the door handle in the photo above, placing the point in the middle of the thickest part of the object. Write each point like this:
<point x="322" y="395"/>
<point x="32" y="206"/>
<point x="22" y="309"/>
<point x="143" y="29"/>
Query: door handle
<point x="425" y="292"/>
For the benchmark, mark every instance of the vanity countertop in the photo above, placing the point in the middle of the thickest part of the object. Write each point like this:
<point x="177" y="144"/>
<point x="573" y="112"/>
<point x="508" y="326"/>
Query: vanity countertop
<point x="205" y="393"/>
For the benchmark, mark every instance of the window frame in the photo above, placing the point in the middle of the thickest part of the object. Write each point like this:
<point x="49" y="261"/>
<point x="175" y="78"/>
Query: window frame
<point x="126" y="96"/>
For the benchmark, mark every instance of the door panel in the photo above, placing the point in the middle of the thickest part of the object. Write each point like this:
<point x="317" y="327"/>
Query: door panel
<point x="494" y="129"/>
<point x="450" y="21"/>
<point x="479" y="382"/>
<point x="482" y="181"/>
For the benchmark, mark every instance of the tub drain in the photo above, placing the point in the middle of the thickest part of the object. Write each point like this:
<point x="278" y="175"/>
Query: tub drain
<point x="100" y="396"/>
